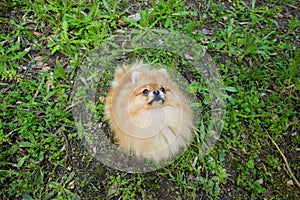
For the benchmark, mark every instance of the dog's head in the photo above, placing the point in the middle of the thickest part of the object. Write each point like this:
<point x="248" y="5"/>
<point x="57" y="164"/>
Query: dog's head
<point x="150" y="88"/>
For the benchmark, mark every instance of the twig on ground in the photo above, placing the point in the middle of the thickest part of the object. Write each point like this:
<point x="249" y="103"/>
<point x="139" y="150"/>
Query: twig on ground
<point x="67" y="145"/>
<point x="25" y="109"/>
<point x="38" y="90"/>
<point x="285" y="160"/>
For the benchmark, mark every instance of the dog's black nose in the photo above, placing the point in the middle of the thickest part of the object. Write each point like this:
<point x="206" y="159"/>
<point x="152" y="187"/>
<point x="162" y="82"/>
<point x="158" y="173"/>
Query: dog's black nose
<point x="156" y="92"/>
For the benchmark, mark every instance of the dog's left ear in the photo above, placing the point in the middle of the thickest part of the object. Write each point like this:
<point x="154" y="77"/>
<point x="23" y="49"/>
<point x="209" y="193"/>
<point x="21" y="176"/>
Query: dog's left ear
<point x="163" y="71"/>
<point x="134" y="76"/>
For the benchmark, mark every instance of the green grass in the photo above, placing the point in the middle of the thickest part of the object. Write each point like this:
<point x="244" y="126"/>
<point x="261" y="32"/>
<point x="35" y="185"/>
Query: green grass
<point x="256" y="47"/>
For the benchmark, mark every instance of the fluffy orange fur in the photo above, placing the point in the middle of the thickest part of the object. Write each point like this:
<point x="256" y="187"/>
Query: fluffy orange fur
<point x="148" y="114"/>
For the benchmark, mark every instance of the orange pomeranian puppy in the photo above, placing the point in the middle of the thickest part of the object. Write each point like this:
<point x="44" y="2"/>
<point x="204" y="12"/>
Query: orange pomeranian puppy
<point x="148" y="114"/>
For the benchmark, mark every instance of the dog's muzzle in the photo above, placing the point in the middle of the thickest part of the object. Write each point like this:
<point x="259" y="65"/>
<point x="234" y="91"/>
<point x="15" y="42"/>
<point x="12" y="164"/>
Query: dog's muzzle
<point x="156" y="96"/>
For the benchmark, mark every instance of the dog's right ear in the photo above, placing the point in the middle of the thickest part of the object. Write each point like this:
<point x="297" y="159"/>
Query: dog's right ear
<point x="134" y="76"/>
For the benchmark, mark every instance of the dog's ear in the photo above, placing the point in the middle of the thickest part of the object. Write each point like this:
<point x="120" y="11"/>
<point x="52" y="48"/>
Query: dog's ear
<point x="135" y="76"/>
<point x="164" y="72"/>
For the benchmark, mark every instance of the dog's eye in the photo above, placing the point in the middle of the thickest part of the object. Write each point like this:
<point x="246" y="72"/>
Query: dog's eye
<point x="162" y="89"/>
<point x="145" y="91"/>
